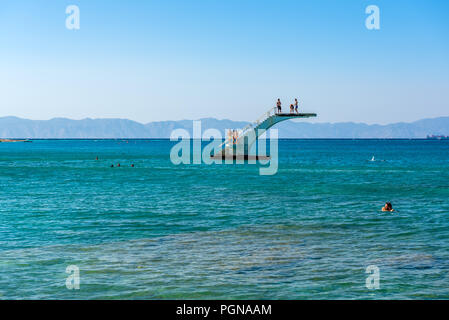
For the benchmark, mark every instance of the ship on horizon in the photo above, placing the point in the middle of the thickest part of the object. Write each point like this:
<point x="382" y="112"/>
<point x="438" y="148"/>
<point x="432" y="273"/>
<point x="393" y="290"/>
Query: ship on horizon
<point x="437" y="137"/>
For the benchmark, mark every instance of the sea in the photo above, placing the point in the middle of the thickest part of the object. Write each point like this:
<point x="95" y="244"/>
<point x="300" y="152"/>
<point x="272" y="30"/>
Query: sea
<point x="73" y="227"/>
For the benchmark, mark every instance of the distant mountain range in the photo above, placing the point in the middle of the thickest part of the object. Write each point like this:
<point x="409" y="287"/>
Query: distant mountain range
<point x="61" y="128"/>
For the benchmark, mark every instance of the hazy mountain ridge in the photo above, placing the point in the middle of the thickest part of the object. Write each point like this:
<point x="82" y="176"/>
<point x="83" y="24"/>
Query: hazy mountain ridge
<point x="62" y="128"/>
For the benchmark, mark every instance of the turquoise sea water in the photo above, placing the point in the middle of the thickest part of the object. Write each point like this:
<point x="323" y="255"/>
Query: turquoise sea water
<point x="160" y="231"/>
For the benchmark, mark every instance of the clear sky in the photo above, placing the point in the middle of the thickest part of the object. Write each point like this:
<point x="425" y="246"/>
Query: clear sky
<point x="171" y="60"/>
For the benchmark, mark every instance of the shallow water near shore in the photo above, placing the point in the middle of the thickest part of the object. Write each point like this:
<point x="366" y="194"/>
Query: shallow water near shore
<point x="161" y="231"/>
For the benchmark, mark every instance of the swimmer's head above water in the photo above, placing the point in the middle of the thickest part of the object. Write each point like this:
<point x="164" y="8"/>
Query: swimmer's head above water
<point x="388" y="207"/>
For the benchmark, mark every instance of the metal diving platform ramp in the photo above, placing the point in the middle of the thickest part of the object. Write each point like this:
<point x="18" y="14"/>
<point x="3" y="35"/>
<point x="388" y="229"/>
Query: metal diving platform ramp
<point x="238" y="143"/>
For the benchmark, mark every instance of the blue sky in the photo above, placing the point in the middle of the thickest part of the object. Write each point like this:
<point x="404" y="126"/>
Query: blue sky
<point x="171" y="60"/>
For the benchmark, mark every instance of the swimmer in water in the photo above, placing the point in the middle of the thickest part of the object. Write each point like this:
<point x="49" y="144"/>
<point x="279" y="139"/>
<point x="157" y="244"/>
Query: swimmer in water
<point x="132" y="166"/>
<point x="112" y="166"/>
<point x="118" y="165"/>
<point x="388" y="207"/>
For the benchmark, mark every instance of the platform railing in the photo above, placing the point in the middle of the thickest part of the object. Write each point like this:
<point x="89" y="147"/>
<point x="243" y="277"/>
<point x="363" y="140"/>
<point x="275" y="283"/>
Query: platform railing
<point x="252" y="126"/>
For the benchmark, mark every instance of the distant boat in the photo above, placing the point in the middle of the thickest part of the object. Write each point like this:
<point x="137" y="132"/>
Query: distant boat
<point x="373" y="159"/>
<point x="440" y="137"/>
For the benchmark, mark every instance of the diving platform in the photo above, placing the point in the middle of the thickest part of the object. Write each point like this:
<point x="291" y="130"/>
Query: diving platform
<point x="239" y="142"/>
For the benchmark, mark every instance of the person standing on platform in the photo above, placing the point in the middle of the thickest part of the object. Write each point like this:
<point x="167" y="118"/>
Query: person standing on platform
<point x="279" y="106"/>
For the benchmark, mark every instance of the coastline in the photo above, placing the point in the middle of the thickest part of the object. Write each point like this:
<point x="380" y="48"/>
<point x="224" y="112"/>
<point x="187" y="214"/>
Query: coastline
<point x="15" y="140"/>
